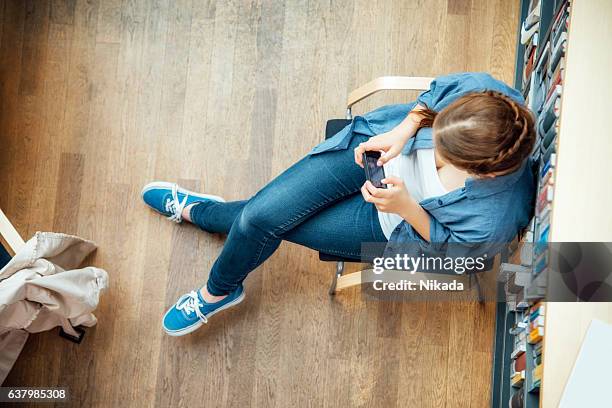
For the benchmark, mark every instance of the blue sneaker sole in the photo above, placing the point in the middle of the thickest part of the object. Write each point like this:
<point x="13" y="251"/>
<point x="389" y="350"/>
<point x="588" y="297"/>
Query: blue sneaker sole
<point x="199" y="323"/>
<point x="167" y="185"/>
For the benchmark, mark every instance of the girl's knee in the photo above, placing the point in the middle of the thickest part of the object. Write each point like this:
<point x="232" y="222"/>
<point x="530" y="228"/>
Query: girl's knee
<point x="258" y="216"/>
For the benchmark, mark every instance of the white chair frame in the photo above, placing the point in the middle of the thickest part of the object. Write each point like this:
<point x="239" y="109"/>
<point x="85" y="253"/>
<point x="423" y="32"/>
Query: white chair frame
<point x="9" y="234"/>
<point x="385" y="83"/>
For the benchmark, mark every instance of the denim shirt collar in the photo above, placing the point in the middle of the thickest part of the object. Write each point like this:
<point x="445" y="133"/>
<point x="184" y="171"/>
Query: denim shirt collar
<point x="483" y="187"/>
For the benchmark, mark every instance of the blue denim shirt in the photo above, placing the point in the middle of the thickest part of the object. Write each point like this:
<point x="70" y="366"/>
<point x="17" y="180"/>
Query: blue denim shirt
<point x="491" y="210"/>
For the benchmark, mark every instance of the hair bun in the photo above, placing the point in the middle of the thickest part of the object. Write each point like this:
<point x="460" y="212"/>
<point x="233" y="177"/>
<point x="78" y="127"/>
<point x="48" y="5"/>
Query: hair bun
<point x="468" y="128"/>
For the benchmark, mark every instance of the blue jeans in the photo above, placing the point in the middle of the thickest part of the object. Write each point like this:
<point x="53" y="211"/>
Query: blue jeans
<point x="315" y="203"/>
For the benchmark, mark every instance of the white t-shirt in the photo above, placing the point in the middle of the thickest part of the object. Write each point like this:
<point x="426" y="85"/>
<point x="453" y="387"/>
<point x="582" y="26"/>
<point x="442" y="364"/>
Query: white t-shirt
<point x="418" y="172"/>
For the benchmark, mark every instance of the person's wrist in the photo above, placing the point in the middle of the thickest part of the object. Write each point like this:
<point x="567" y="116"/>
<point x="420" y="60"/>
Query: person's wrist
<point x="401" y="135"/>
<point x="415" y="116"/>
<point x="408" y="208"/>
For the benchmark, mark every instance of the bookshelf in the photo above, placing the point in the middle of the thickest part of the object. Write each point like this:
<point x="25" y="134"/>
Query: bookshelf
<point x="518" y="369"/>
<point x="574" y="146"/>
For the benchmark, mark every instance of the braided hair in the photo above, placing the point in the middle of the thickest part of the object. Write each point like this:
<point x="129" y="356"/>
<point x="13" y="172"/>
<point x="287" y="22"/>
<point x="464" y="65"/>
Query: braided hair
<point x="485" y="133"/>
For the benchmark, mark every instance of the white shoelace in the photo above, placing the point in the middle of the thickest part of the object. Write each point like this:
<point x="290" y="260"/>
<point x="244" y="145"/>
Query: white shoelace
<point x="174" y="206"/>
<point x="190" y="303"/>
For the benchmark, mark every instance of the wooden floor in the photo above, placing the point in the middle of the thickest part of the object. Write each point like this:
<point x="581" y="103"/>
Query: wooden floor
<point x="99" y="97"/>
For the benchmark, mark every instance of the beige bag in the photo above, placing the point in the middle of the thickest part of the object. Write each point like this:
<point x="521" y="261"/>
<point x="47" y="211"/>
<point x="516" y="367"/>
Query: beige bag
<point x="41" y="289"/>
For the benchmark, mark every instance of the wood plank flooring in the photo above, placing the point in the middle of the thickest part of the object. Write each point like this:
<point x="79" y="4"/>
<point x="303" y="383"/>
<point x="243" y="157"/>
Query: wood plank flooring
<point x="98" y="97"/>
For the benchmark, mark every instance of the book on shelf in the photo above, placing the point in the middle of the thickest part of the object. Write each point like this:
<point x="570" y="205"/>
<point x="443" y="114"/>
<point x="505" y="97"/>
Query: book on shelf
<point x="544" y="126"/>
<point x="553" y="93"/>
<point x="543" y="236"/>
<point x="522" y="303"/>
<point x="543" y="239"/>
<point x="542" y="263"/>
<point x="520" y="339"/>
<point x="562" y="8"/>
<point x="549" y="115"/>
<point x="548" y="165"/>
<point x="537" y="348"/>
<point x="537" y="309"/>
<point x="557" y="73"/>
<point x="536" y="321"/>
<point x="560" y="27"/>
<point x="519" y="363"/>
<point x="536" y="335"/>
<point x="537" y="372"/>
<point x="537" y="361"/>
<point x="529" y="61"/>
<point x="531" y="24"/>
<point x="549" y="136"/>
<point x="543" y="219"/>
<point x="558" y="50"/>
<point x="518" y="379"/>
<point x="543" y="60"/>
<point x="561" y="21"/>
<point x="526" y="255"/>
<point x="540" y="72"/>
<point x="548" y="178"/>
<point x="521" y="348"/>
<point x="537" y="358"/>
<point x="548" y="152"/>
<point x="551" y="107"/>
<point x="545" y="212"/>
<point x="518" y="399"/>
<point x="539" y="94"/>
<point x="544" y="197"/>
<point x="539" y="248"/>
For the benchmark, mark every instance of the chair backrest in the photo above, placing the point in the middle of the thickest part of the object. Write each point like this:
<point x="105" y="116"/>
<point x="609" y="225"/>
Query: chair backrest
<point x="388" y="83"/>
<point x="9" y="234"/>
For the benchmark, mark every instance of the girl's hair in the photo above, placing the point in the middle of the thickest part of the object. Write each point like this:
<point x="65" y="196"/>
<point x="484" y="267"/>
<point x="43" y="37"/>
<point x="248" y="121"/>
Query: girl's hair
<point x="482" y="133"/>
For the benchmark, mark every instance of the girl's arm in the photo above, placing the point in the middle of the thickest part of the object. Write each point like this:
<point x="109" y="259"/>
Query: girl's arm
<point x="409" y="126"/>
<point x="393" y="141"/>
<point x="416" y="216"/>
<point x="396" y="199"/>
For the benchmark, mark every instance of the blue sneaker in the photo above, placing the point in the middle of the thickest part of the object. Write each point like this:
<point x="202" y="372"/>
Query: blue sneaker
<point x="169" y="199"/>
<point x="191" y="311"/>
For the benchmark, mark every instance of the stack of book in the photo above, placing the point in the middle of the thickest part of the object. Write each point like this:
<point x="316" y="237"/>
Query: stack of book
<point x="536" y="334"/>
<point x="536" y="323"/>
<point x="544" y="98"/>
<point x="518" y="365"/>
<point x="540" y="75"/>
<point x="528" y="332"/>
<point x="529" y="38"/>
<point x="536" y="376"/>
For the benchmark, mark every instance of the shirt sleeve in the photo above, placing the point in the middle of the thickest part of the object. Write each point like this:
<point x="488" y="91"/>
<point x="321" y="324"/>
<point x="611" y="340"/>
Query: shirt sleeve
<point x="446" y="89"/>
<point x="440" y="236"/>
<point x="444" y="243"/>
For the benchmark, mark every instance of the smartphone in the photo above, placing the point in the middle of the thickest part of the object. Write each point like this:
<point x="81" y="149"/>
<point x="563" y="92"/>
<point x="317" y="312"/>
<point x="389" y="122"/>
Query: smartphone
<point x="374" y="173"/>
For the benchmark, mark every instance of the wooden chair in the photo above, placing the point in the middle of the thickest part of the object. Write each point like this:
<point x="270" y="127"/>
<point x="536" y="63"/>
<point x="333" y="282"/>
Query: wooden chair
<point x="341" y="281"/>
<point x="9" y="235"/>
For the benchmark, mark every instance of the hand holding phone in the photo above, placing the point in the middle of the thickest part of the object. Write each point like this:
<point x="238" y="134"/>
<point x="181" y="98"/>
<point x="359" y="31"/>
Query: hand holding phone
<point x="374" y="173"/>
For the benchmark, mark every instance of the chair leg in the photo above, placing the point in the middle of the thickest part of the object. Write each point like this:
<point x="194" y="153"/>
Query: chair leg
<point x="339" y="270"/>
<point x="478" y="289"/>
